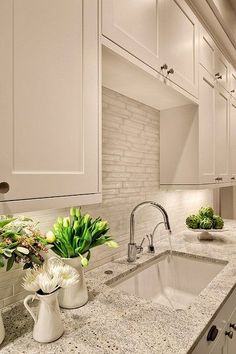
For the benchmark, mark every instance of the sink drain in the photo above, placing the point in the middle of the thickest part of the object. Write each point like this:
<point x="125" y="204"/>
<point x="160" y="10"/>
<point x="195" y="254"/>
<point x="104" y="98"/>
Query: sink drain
<point x="108" y="271"/>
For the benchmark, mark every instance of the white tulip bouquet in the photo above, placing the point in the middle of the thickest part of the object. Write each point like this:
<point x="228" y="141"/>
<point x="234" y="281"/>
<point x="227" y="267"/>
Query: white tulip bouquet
<point x="51" y="276"/>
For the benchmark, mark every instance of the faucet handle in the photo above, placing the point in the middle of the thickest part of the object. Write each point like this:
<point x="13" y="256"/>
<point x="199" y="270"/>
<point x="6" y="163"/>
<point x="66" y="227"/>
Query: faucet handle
<point x="151" y="248"/>
<point x="140" y="247"/>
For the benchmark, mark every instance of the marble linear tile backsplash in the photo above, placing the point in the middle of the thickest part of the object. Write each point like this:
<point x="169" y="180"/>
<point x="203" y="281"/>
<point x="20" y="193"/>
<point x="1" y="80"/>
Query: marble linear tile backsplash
<point x="130" y="169"/>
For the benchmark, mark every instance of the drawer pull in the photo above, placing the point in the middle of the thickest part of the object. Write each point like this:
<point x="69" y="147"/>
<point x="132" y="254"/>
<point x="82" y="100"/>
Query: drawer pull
<point x="212" y="334"/>
<point x="164" y="67"/>
<point x="4" y="187"/>
<point x="170" y="71"/>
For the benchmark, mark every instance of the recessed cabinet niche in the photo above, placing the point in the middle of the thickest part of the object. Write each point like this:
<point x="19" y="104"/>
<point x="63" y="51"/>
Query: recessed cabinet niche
<point x="49" y="107"/>
<point x="161" y="33"/>
<point x="199" y="152"/>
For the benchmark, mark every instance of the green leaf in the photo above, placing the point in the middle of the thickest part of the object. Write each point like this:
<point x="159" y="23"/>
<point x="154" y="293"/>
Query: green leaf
<point x="7" y="252"/>
<point x="18" y="253"/>
<point x="1" y="261"/>
<point x="22" y="250"/>
<point x="10" y="262"/>
<point x="101" y="241"/>
<point x="58" y="251"/>
<point x="12" y="245"/>
<point x="35" y="259"/>
<point x="9" y="233"/>
<point x="28" y="265"/>
<point x="6" y="221"/>
<point x="88" y="255"/>
<point x="75" y="242"/>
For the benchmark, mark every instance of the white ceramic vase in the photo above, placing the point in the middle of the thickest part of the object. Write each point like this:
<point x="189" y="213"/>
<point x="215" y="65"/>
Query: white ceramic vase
<point x="2" y="329"/>
<point x="77" y="294"/>
<point x="48" y="325"/>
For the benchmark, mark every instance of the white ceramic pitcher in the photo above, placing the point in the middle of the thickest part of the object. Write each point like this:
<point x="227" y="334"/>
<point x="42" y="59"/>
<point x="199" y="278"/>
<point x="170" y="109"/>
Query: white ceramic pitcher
<point x="48" y="325"/>
<point x="2" y="329"/>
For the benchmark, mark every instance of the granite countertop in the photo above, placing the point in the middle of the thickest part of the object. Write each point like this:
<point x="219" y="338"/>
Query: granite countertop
<point x="116" y="322"/>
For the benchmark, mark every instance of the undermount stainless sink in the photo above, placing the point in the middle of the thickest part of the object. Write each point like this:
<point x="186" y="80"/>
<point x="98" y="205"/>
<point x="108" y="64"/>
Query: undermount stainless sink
<point x="172" y="280"/>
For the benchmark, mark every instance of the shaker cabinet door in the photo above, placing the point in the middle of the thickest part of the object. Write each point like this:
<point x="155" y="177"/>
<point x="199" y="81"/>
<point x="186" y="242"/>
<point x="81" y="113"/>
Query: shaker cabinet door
<point x="222" y="135"/>
<point x="220" y="345"/>
<point x="48" y="98"/>
<point x="178" y="40"/>
<point x="206" y="127"/>
<point x="231" y="342"/>
<point x="133" y="25"/>
<point x="232" y="140"/>
<point x="221" y="70"/>
<point x="207" y="51"/>
<point x="232" y="82"/>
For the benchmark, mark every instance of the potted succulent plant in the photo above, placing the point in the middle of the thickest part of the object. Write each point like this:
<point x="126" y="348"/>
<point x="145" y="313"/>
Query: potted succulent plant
<point x="20" y="242"/>
<point x="72" y="238"/>
<point x="45" y="283"/>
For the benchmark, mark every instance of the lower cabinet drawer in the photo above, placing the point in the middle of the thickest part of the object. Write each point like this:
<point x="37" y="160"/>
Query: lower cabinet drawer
<point x="215" y="338"/>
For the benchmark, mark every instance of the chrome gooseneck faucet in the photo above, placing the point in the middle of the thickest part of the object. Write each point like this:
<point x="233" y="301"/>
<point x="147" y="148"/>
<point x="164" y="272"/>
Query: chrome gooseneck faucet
<point x="132" y="247"/>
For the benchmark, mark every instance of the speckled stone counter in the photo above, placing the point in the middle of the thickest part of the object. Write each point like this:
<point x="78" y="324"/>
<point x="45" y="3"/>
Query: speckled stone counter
<point x="115" y="322"/>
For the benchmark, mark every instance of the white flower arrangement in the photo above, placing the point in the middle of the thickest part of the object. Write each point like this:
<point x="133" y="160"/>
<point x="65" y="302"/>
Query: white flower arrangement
<point x="51" y="276"/>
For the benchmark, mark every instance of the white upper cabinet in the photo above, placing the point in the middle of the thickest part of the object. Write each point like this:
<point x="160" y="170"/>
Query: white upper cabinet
<point x="207" y="51"/>
<point x="232" y="131"/>
<point x="161" y="33"/>
<point x="212" y="59"/>
<point x="222" y="135"/>
<point x="178" y="38"/>
<point x="49" y="104"/>
<point x="232" y="82"/>
<point x="206" y="127"/>
<point x="195" y="142"/>
<point x="221" y="68"/>
<point x="133" y="25"/>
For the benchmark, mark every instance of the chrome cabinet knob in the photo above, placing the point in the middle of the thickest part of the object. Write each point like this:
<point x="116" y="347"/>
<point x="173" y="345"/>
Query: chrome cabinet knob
<point x="170" y="71"/>
<point x="4" y="187"/>
<point x="164" y="67"/>
<point x="233" y="325"/>
<point x="230" y="334"/>
<point x="218" y="76"/>
<point x="219" y="179"/>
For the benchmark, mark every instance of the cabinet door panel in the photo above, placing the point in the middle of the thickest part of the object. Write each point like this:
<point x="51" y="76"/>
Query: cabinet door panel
<point x="231" y="342"/>
<point x="222" y="134"/>
<point x="222" y="68"/>
<point x="232" y="83"/>
<point x="220" y="345"/>
<point x="207" y="51"/>
<point x="50" y="104"/>
<point x="206" y="127"/>
<point x="178" y="43"/>
<point x="232" y="131"/>
<point x="133" y="25"/>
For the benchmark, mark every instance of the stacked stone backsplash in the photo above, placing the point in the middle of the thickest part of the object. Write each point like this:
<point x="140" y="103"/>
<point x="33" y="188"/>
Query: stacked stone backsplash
<point x="130" y="175"/>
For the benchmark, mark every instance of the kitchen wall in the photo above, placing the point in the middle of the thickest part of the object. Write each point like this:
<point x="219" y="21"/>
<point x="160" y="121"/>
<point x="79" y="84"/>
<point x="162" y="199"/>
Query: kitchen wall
<point x="130" y="175"/>
<point x="228" y="202"/>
